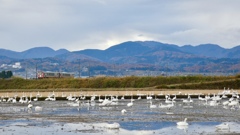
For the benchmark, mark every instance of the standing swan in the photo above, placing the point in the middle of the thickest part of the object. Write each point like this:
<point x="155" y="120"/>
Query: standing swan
<point x="130" y="104"/>
<point x="182" y="123"/>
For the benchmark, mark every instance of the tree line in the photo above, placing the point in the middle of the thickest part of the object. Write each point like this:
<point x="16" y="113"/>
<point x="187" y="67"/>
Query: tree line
<point x="6" y="74"/>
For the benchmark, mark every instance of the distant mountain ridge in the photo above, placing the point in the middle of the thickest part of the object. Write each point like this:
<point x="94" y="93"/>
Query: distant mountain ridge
<point x="130" y="52"/>
<point x="137" y="55"/>
<point x="37" y="52"/>
<point x="138" y="50"/>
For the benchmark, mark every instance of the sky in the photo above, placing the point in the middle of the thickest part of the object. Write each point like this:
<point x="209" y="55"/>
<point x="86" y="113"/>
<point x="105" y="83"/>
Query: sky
<point x="99" y="24"/>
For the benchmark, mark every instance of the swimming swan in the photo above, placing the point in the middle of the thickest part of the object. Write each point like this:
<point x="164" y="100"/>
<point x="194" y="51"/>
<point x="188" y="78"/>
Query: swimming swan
<point x="223" y="126"/>
<point x="124" y="111"/>
<point x="113" y="126"/>
<point x="182" y="123"/>
<point x="152" y="106"/>
<point x="38" y="109"/>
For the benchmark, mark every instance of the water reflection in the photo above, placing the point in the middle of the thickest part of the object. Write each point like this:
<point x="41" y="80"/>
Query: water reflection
<point x="182" y="127"/>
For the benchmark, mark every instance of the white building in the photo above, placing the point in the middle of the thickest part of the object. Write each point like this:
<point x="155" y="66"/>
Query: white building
<point x="3" y="65"/>
<point x="17" y="65"/>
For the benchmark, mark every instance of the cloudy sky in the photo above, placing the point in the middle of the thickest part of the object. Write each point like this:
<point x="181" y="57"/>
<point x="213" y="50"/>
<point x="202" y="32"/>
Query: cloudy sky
<point x="99" y="24"/>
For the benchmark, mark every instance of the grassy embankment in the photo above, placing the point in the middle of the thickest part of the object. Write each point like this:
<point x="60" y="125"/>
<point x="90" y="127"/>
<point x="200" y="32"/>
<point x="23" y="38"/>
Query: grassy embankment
<point x="116" y="83"/>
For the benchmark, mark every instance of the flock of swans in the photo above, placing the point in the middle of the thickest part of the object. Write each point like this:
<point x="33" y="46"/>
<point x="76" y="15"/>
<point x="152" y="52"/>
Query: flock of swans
<point x="227" y="98"/>
<point x="110" y="100"/>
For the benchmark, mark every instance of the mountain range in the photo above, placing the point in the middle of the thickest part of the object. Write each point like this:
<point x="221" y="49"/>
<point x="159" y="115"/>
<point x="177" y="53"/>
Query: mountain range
<point x="149" y="53"/>
<point x="128" y="49"/>
<point x="37" y="52"/>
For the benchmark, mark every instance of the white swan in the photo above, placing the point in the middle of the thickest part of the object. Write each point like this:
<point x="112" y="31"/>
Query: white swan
<point x="223" y="126"/>
<point x="130" y="104"/>
<point x="216" y="98"/>
<point x="174" y="98"/>
<point x="225" y="103"/>
<point x="99" y="99"/>
<point x="213" y="103"/>
<point x="200" y="98"/>
<point x="149" y="97"/>
<point x="168" y="101"/>
<point x="30" y="106"/>
<point x="76" y="103"/>
<point x="152" y="106"/>
<point x="224" y="96"/>
<point x="52" y="99"/>
<point x="162" y="105"/>
<point x="106" y="102"/>
<point x="123" y="111"/>
<point x="182" y="123"/>
<point x="233" y="103"/>
<point x="14" y="100"/>
<point x="114" y="99"/>
<point x="35" y="99"/>
<point x="188" y="100"/>
<point x="38" y="109"/>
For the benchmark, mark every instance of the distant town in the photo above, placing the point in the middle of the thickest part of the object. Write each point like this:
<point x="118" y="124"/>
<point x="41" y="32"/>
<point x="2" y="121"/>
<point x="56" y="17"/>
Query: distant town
<point x="85" y="72"/>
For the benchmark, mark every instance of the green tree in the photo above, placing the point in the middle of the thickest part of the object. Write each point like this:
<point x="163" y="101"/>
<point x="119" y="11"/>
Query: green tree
<point x="9" y="74"/>
<point x="3" y="74"/>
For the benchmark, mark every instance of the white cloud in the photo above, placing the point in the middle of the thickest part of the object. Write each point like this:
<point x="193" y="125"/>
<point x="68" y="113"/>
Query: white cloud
<point x="99" y="24"/>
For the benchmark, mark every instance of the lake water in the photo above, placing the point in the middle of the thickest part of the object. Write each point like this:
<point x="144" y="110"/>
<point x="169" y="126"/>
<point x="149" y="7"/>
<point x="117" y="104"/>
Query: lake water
<point x="61" y="117"/>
